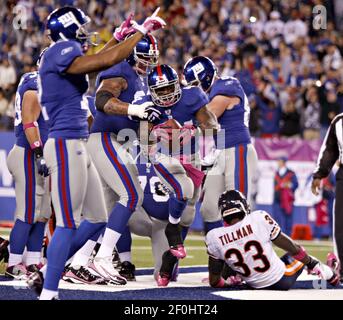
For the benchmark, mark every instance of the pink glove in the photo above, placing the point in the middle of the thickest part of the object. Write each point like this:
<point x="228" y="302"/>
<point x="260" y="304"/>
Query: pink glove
<point x="150" y="24"/>
<point x="124" y="29"/>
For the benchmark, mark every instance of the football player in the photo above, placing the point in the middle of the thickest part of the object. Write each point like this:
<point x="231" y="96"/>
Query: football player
<point x="184" y="109"/>
<point x="149" y="220"/>
<point x="245" y="243"/>
<point x="237" y="160"/>
<point x="28" y="168"/>
<point x="117" y="88"/>
<point x="75" y="184"/>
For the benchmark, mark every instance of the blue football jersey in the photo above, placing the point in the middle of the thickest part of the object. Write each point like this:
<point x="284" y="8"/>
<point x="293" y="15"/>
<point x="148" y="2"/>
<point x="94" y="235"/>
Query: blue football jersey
<point x="184" y="111"/>
<point x="155" y="205"/>
<point x="27" y="82"/>
<point x="135" y="89"/>
<point x="62" y="95"/>
<point x="234" y="122"/>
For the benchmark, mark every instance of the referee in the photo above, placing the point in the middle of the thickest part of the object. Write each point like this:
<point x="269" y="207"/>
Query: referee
<point x="331" y="151"/>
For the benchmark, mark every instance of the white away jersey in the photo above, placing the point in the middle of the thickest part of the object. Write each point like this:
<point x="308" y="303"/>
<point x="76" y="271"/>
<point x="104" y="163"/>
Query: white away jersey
<point x="247" y="248"/>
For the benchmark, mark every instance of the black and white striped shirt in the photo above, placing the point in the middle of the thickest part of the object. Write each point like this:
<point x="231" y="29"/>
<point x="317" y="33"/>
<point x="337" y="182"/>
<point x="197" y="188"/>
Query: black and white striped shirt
<point x="331" y="149"/>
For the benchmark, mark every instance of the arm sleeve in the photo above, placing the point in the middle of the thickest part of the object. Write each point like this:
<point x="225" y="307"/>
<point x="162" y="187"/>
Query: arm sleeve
<point x="66" y="53"/>
<point x="329" y="152"/>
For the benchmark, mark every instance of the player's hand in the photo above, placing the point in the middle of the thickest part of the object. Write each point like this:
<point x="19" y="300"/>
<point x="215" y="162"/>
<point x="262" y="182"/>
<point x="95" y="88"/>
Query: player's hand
<point x="315" y="186"/>
<point x="43" y="170"/>
<point x="145" y="111"/>
<point x="150" y="24"/>
<point x="161" y="189"/>
<point x="125" y="29"/>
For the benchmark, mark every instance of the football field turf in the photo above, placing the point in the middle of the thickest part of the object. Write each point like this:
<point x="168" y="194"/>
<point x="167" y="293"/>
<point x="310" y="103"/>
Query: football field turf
<point x="190" y="284"/>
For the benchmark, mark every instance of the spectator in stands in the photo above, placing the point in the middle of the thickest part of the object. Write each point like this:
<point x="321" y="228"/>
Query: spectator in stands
<point x="311" y="114"/>
<point x="290" y="121"/>
<point x="8" y="77"/>
<point x="285" y="184"/>
<point x="270" y="111"/>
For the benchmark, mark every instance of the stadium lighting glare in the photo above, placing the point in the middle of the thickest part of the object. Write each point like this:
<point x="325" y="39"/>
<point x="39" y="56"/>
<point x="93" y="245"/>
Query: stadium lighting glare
<point x="252" y="19"/>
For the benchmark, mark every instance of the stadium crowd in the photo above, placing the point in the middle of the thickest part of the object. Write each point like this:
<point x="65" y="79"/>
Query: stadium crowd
<point x="291" y="72"/>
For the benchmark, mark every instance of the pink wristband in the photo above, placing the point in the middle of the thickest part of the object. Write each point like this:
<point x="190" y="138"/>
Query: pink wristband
<point x="301" y="254"/>
<point x="33" y="124"/>
<point x="220" y="284"/>
<point x="36" y="144"/>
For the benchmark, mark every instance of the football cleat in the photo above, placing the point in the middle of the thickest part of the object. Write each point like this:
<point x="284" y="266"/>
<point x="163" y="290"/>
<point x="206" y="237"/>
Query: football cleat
<point x="163" y="279"/>
<point x="115" y="259"/>
<point x="32" y="268"/>
<point x="35" y="282"/>
<point x="4" y="253"/>
<point x="166" y="271"/>
<point x="104" y="267"/>
<point x="127" y="270"/>
<point x="82" y="275"/>
<point x="175" y="272"/>
<point x="18" y="272"/>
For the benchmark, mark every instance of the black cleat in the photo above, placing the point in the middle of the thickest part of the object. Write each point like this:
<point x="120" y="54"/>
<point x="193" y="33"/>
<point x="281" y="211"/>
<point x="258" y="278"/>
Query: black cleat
<point x="115" y="259"/>
<point x="35" y="282"/>
<point x="168" y="263"/>
<point x="127" y="270"/>
<point x="4" y="253"/>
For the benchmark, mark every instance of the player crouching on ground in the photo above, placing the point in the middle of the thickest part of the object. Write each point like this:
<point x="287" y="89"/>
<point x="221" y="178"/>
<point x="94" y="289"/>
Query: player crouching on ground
<point x="245" y="244"/>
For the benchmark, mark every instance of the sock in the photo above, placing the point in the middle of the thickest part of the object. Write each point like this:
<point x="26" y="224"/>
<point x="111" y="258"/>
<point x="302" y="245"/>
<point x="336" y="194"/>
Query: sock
<point x="18" y="239"/>
<point x="82" y="256"/>
<point x="32" y="257"/>
<point x="119" y="218"/>
<point x="184" y="232"/>
<point x="124" y="243"/>
<point x="125" y="256"/>
<point x="212" y="225"/>
<point x="176" y="208"/>
<point x="35" y="241"/>
<point x="48" y="294"/>
<point x="57" y="256"/>
<point x="85" y="231"/>
<point x="108" y="243"/>
<point x="14" y="259"/>
<point x="116" y="225"/>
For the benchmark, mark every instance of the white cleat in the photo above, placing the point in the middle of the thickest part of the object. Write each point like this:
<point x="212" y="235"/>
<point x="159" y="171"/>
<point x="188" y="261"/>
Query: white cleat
<point x="104" y="267"/>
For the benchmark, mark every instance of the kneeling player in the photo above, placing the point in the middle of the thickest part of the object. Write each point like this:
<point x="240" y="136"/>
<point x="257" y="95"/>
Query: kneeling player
<point x="245" y="244"/>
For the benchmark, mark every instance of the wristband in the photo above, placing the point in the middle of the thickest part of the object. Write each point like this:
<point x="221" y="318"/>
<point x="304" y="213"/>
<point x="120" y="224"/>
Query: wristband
<point x="33" y="124"/>
<point x="301" y="254"/>
<point x="36" y="144"/>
